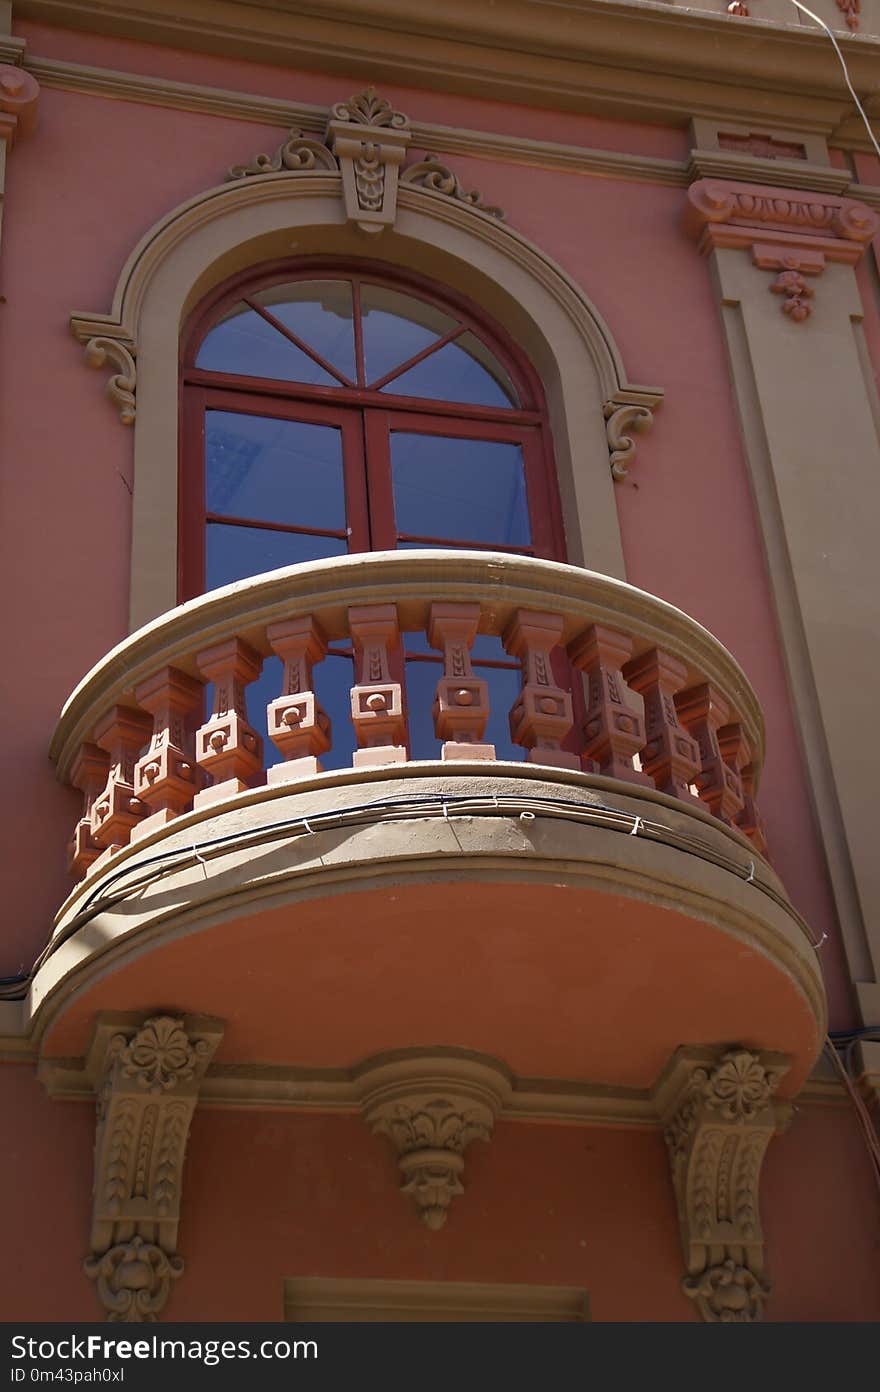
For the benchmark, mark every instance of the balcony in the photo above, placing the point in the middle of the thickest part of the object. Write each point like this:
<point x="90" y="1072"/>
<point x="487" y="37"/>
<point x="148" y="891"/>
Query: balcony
<point x="578" y="911"/>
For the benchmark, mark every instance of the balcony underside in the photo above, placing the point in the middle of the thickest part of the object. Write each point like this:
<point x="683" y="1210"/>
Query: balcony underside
<point x="519" y="911"/>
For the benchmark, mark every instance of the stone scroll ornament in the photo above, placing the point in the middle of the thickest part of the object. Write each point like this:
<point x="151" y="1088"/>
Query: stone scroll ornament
<point x="366" y="141"/>
<point x="147" y="1084"/>
<point x="717" y="1126"/>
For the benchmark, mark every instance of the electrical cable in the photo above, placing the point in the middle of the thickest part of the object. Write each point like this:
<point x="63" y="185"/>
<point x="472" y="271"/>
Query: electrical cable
<point x="99" y="900"/>
<point x="852" y="90"/>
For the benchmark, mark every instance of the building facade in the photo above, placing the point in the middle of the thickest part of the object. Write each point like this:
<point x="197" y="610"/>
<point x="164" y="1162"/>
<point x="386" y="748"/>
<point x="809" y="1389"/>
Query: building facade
<point x="440" y="496"/>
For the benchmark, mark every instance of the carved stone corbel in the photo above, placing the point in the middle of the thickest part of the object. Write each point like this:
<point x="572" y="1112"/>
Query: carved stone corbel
<point x="627" y="413"/>
<point x="369" y="140"/>
<point x="19" y="94"/>
<point x="431" y="1107"/>
<point x="122" y="384"/>
<point x="147" y="1077"/>
<point x="718" y="1116"/>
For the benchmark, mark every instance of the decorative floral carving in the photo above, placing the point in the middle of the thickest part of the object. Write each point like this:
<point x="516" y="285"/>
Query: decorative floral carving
<point x="717" y="1129"/>
<point x="133" y="1279"/>
<point x="619" y="420"/>
<point x="432" y="173"/>
<point x="430" y="1137"/>
<point x="431" y="1108"/>
<point x="797" y="294"/>
<point x="740" y="1086"/>
<point x="367" y="108"/>
<point x="850" y="9"/>
<point x="728" y="1293"/>
<point x="121" y="386"/>
<point x="298" y="154"/>
<point x="161" y="1056"/>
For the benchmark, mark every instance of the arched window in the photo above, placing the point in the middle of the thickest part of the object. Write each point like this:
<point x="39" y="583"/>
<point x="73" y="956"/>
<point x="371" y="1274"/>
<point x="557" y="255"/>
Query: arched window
<point x="331" y="409"/>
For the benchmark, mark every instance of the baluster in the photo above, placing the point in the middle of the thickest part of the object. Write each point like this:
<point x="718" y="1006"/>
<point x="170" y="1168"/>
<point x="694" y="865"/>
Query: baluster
<point x="89" y="773"/>
<point x="670" y="757"/>
<point x="461" y="705"/>
<point x="122" y="734"/>
<point x="298" y="724"/>
<point x="227" y="745"/>
<point x="614" y="730"/>
<point x="736" y="753"/>
<point x="166" y="776"/>
<point x="541" y="716"/>
<point x="703" y="712"/>
<point x="376" y="701"/>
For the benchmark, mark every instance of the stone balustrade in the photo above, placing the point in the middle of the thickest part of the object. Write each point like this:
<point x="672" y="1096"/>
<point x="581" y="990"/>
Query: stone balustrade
<point x="663" y="705"/>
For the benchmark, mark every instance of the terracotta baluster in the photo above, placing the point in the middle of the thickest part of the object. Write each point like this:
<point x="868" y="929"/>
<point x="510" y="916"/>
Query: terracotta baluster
<point x="298" y="725"/>
<point x="122" y="733"/>
<point x="703" y="712"/>
<point x="166" y="775"/>
<point x="89" y="773"/>
<point x="737" y="754"/>
<point x="461" y="705"/>
<point x="614" y="730"/>
<point x="670" y="757"/>
<point x="541" y="716"/>
<point x="228" y="748"/>
<point x="376" y="701"/>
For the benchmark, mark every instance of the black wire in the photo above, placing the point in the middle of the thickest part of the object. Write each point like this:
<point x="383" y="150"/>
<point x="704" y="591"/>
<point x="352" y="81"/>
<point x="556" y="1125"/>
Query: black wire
<point x="98" y="900"/>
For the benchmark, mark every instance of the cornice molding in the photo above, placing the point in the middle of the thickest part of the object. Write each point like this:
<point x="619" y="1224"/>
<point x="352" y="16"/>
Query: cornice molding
<point x="339" y="1091"/>
<point x="637" y="60"/>
<point x="432" y="137"/>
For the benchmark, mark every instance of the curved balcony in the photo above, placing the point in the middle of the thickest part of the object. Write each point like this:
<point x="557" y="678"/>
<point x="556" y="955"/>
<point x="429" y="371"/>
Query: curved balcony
<point x="579" y="911"/>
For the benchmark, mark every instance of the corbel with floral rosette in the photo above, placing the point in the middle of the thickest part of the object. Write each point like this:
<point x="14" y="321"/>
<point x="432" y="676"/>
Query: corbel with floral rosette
<point x="719" y="1114"/>
<point x="431" y="1106"/>
<point x="795" y="233"/>
<point x="146" y="1075"/>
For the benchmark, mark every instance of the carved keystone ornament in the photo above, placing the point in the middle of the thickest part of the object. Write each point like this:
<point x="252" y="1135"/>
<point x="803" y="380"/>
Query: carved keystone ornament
<point x="147" y="1077"/>
<point x="719" y="1116"/>
<point x="431" y="1107"/>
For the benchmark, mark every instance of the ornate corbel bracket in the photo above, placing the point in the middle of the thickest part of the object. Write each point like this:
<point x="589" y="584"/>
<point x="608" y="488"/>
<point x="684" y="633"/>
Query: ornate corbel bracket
<point x="431" y="1106"/>
<point x="19" y="94"/>
<point x="719" y="1115"/>
<point x="629" y="412"/>
<point x="369" y="140"/>
<point x="146" y="1076"/>
<point x="790" y="231"/>
<point x="122" y="384"/>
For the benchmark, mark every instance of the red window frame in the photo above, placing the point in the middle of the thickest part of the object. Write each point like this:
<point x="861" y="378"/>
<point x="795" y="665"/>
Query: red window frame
<point x="365" y="416"/>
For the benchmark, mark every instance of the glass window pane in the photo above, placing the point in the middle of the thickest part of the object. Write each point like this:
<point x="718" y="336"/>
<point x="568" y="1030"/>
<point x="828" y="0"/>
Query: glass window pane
<point x="333" y="678"/>
<point x="318" y="312"/>
<point x="421" y="684"/>
<point x="396" y="327"/>
<point x="463" y="370"/>
<point x="274" y="470"/>
<point x="466" y="490"/>
<point x="233" y="553"/>
<point x="243" y="343"/>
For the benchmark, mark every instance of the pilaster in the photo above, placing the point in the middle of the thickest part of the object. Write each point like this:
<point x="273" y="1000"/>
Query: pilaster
<point x="783" y="263"/>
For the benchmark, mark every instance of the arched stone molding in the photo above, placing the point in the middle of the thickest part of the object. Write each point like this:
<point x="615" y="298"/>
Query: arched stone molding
<point x="235" y="226"/>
